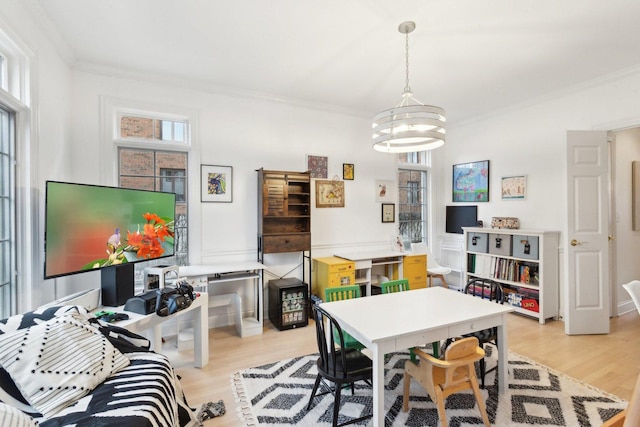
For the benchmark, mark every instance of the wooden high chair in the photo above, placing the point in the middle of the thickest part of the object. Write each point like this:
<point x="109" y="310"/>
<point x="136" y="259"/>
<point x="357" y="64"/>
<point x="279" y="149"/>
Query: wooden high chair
<point x="441" y="378"/>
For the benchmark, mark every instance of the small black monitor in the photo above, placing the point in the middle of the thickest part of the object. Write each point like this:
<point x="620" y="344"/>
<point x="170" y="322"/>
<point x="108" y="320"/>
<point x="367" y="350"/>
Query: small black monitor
<point x="461" y="216"/>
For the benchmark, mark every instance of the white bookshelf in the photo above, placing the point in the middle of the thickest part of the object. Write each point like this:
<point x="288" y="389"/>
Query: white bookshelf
<point x="524" y="262"/>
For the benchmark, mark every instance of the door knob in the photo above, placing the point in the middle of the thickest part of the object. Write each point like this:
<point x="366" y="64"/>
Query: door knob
<point x="574" y="242"/>
<point x="612" y="238"/>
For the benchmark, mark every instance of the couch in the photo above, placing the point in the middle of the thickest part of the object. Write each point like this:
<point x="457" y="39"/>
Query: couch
<point x="59" y="366"/>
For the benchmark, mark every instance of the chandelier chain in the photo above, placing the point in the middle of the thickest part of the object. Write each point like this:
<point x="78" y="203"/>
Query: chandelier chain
<point x="407" y="88"/>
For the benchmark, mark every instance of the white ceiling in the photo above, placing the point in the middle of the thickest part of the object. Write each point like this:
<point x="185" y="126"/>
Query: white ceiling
<point x="469" y="56"/>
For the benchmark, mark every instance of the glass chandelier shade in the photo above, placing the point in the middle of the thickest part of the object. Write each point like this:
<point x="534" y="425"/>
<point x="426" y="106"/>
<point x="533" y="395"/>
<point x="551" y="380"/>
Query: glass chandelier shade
<point x="411" y="125"/>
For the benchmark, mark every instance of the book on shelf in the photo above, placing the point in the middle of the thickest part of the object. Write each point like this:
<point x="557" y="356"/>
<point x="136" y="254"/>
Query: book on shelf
<point x="495" y="267"/>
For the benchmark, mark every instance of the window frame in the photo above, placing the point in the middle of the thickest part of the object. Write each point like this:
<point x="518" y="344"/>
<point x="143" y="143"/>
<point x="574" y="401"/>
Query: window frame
<point x="16" y="95"/>
<point x="156" y="145"/>
<point x="8" y="210"/>
<point x="163" y="117"/>
<point x="417" y="162"/>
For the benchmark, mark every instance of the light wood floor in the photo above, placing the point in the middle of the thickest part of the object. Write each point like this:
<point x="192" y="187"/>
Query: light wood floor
<point x="609" y="362"/>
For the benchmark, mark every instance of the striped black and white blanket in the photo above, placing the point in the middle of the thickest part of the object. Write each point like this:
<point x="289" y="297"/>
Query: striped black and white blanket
<point x="146" y="393"/>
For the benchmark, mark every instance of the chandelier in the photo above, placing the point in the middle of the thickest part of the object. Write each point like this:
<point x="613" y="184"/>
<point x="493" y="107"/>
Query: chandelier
<point x="410" y="125"/>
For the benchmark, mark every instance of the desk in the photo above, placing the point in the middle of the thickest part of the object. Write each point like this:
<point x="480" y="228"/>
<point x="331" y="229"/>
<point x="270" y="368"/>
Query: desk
<point x="366" y="260"/>
<point x="142" y="323"/>
<point x="205" y="277"/>
<point x="397" y="321"/>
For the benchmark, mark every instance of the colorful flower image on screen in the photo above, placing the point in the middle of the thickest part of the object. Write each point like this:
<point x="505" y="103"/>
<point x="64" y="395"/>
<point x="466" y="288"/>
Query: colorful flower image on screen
<point x="89" y="227"/>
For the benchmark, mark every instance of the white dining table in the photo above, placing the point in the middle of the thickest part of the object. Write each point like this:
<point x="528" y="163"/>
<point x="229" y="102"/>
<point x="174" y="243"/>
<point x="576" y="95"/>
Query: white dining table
<point x="397" y="321"/>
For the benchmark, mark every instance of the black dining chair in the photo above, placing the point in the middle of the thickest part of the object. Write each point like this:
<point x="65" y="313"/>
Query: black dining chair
<point x="492" y="291"/>
<point x="337" y="364"/>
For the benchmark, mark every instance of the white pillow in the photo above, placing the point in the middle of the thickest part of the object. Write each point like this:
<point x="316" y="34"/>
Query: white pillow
<point x="59" y="361"/>
<point x="13" y="417"/>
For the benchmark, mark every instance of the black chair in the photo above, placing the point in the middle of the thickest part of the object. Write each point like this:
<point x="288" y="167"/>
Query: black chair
<point x="492" y="291"/>
<point x="337" y="364"/>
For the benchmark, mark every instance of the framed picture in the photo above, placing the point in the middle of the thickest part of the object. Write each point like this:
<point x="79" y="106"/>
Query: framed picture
<point x="471" y="182"/>
<point x="514" y="187"/>
<point x="385" y="191"/>
<point x="388" y="212"/>
<point x="329" y="194"/>
<point x="318" y="166"/>
<point x="348" y="171"/>
<point x="216" y="183"/>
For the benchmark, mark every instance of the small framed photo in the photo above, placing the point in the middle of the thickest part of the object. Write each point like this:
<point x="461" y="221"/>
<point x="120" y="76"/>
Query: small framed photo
<point x="348" y="171"/>
<point x="216" y="183"/>
<point x="514" y="187"/>
<point x="388" y="212"/>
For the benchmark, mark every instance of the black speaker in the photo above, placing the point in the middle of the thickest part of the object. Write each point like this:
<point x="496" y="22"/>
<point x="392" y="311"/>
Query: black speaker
<point x="118" y="284"/>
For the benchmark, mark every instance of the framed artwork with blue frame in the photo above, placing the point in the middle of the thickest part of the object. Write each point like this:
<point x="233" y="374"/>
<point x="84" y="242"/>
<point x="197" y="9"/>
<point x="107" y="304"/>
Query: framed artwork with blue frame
<point x="471" y="182"/>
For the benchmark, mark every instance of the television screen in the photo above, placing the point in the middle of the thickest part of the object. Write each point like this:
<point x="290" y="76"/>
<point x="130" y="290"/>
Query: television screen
<point x="461" y="216"/>
<point x="89" y="227"/>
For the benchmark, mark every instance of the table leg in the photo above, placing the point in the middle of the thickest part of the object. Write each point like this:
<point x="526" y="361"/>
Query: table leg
<point x="156" y="338"/>
<point x="503" y="356"/>
<point x="378" y="387"/>
<point x="201" y="336"/>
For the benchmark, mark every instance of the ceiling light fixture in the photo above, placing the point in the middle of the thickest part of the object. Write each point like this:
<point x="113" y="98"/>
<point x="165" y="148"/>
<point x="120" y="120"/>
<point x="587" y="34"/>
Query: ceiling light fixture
<point x="410" y="125"/>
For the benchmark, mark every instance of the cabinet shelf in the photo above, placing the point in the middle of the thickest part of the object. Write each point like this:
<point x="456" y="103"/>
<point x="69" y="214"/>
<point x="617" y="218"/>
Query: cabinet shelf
<point x="507" y="282"/>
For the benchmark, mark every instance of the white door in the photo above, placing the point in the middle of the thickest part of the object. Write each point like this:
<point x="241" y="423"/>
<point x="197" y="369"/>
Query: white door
<point x="587" y="284"/>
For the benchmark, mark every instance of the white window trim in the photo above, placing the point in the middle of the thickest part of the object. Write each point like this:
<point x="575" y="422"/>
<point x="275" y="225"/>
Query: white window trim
<point x="112" y="109"/>
<point x="430" y="195"/>
<point x="22" y="86"/>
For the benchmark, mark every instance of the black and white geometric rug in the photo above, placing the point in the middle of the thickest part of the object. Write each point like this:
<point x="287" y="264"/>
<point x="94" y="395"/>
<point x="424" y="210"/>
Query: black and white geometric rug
<point x="277" y="395"/>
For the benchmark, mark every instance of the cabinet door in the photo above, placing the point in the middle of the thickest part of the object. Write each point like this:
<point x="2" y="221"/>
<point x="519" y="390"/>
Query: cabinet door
<point x="274" y="192"/>
<point x="414" y="268"/>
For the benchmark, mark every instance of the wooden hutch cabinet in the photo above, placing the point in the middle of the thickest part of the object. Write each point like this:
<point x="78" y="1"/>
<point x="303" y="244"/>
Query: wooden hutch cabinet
<point x="284" y="216"/>
<point x="284" y="211"/>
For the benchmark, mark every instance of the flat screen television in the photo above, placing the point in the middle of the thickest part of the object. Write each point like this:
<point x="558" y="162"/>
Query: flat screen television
<point x="91" y="227"/>
<point x="461" y="216"/>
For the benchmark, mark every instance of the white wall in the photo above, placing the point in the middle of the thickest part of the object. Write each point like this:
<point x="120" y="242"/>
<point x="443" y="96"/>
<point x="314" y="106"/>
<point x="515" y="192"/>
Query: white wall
<point x="531" y="140"/>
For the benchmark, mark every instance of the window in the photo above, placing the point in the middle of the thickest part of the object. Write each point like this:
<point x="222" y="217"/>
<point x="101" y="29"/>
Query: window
<point x="413" y="192"/>
<point x="413" y="200"/>
<point x="159" y="170"/>
<point x="141" y="128"/>
<point x="152" y="149"/>
<point x="7" y="213"/>
<point x="173" y="181"/>
<point x="172" y="131"/>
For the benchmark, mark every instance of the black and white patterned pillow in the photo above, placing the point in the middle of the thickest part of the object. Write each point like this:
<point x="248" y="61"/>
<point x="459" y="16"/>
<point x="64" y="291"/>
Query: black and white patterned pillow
<point x="9" y="392"/>
<point x="37" y="316"/>
<point x="56" y="362"/>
